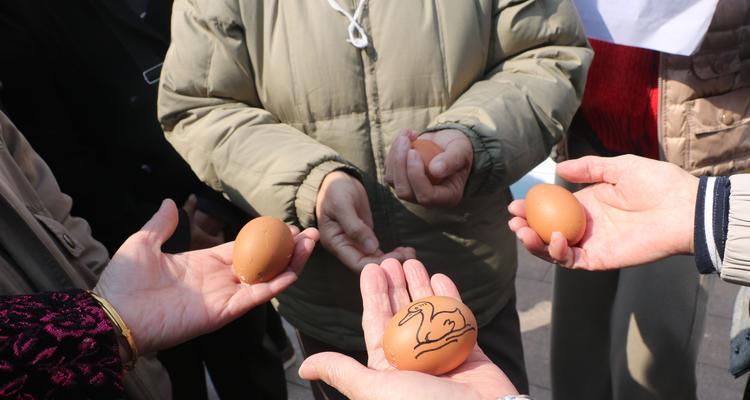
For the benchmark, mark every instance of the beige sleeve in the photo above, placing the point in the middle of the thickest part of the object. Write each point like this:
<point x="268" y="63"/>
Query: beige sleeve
<point x="736" y="263"/>
<point x="54" y="205"/>
<point x="210" y="112"/>
<point x="536" y="72"/>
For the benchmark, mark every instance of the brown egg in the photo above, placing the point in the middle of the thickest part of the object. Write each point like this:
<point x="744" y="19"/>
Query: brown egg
<point x="262" y="249"/>
<point x="432" y="335"/>
<point x="427" y="149"/>
<point x="551" y="208"/>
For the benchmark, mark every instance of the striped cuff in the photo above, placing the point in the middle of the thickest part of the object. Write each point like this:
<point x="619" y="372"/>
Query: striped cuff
<point x="711" y="222"/>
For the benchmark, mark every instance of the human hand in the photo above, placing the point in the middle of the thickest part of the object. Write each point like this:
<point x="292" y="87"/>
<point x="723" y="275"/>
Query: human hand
<point x="345" y="223"/>
<point x="638" y="210"/>
<point x="205" y="230"/>
<point x="166" y="299"/>
<point x="405" y="170"/>
<point x="386" y="288"/>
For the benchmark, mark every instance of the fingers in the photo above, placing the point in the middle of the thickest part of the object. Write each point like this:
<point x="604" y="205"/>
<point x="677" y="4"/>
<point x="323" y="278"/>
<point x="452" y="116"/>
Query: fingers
<point x="451" y="160"/>
<point x="559" y="251"/>
<point x="161" y="226"/>
<point x="354" y="224"/>
<point x="422" y="189"/>
<point x="304" y="244"/>
<point x="444" y="286"/>
<point x="345" y="374"/>
<point x="517" y="208"/>
<point x="447" y="193"/>
<point x="401" y="185"/>
<point x="417" y="279"/>
<point x="190" y="206"/>
<point x="401" y="254"/>
<point x="397" y="290"/>
<point x="249" y="296"/>
<point x="590" y="169"/>
<point x="376" y="306"/>
<point x="294" y="230"/>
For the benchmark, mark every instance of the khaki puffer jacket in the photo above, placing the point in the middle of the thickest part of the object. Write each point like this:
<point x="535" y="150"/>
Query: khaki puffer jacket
<point x="264" y="98"/>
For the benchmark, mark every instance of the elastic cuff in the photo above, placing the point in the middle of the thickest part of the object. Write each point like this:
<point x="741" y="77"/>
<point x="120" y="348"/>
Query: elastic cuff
<point x="482" y="164"/>
<point x="700" y="245"/>
<point x="307" y="193"/>
<point x="711" y="223"/>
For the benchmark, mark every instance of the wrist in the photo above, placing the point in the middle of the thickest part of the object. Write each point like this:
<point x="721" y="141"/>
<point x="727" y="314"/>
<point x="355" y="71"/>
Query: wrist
<point x="126" y="344"/>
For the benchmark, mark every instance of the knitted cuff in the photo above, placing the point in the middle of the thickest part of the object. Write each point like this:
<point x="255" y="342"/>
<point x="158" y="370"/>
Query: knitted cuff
<point x="711" y="223"/>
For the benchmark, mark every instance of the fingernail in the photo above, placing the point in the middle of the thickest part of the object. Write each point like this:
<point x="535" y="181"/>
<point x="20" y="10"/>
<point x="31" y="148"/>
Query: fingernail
<point x="370" y="246"/>
<point x="413" y="156"/>
<point x="305" y="369"/>
<point x="439" y="167"/>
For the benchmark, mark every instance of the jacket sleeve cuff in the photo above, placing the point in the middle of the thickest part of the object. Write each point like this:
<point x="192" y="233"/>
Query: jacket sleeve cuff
<point x="483" y="162"/>
<point x="307" y="193"/>
<point x="736" y="261"/>
<point x="711" y="223"/>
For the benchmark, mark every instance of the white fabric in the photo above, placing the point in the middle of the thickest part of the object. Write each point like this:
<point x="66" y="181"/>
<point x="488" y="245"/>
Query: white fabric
<point x="359" y="40"/>
<point x="708" y="223"/>
<point x="669" y="26"/>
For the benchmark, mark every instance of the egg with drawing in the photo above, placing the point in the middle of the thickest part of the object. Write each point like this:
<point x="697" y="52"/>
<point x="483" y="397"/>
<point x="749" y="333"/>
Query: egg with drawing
<point x="433" y="335"/>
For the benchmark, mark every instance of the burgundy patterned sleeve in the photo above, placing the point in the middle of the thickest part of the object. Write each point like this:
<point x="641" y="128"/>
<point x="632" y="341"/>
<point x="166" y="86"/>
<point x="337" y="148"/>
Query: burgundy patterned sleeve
<point x="57" y="345"/>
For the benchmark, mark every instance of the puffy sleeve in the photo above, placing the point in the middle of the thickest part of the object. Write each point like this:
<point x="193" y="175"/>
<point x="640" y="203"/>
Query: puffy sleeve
<point x="535" y="75"/>
<point x="210" y="112"/>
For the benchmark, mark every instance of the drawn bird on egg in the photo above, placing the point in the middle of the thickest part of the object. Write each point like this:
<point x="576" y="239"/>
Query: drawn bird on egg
<point x="436" y="330"/>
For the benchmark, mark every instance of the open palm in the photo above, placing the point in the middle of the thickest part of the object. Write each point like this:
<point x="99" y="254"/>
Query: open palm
<point x="168" y="298"/>
<point x="386" y="288"/>
<point x="637" y="210"/>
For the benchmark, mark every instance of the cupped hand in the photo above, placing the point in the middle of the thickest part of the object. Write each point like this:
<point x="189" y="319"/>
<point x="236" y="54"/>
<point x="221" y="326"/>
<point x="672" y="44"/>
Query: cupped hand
<point x="405" y="170"/>
<point x="385" y="289"/>
<point x="638" y="210"/>
<point x="166" y="299"/>
<point x="346" y="225"/>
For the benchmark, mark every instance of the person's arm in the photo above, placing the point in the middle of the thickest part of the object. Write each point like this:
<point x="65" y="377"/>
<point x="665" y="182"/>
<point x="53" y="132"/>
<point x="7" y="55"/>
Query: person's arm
<point x="535" y="75"/>
<point x="54" y="208"/>
<point x="211" y="113"/>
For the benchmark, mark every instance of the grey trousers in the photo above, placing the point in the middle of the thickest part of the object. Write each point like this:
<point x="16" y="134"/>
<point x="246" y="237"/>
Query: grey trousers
<point x="628" y="334"/>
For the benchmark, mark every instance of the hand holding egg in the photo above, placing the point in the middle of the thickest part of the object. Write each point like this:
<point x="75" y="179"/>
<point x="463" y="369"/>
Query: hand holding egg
<point x="387" y="288"/>
<point x="635" y="212"/>
<point x="430" y="169"/>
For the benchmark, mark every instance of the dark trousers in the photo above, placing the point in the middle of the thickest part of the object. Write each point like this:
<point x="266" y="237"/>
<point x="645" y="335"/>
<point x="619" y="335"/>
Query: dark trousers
<point x="241" y="364"/>
<point x="500" y="340"/>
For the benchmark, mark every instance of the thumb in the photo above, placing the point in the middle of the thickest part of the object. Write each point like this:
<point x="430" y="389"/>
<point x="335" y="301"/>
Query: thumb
<point x="590" y="169"/>
<point x="454" y="158"/>
<point x="161" y="226"/>
<point x="343" y="373"/>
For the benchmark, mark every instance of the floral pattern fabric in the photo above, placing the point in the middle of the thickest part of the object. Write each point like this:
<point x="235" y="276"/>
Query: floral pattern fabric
<point x="57" y="345"/>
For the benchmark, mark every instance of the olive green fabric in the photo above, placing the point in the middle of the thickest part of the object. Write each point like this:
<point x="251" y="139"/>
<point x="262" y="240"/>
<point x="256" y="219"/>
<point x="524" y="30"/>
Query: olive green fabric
<point x="264" y="98"/>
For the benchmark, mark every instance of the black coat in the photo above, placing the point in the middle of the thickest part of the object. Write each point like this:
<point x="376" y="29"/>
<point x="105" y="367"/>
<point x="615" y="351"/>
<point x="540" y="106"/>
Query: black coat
<point x="79" y="81"/>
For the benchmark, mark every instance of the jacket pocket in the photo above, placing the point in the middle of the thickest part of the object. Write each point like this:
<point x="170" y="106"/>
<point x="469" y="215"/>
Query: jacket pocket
<point x="58" y="230"/>
<point x="718" y="128"/>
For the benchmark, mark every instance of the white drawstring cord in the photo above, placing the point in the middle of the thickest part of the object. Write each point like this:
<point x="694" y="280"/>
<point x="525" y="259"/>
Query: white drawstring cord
<point x="360" y="39"/>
